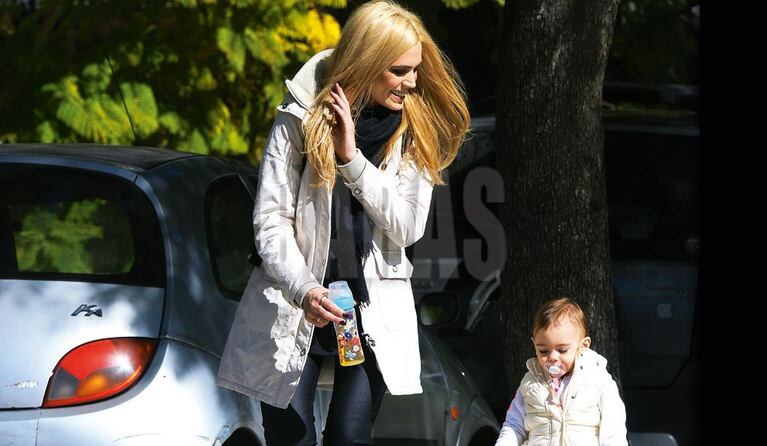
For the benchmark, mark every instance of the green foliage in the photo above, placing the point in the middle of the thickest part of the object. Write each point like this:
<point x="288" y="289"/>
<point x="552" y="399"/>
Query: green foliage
<point x="233" y="47"/>
<point x="197" y="75"/>
<point x="84" y="106"/>
<point x="332" y="3"/>
<point x="460" y="4"/>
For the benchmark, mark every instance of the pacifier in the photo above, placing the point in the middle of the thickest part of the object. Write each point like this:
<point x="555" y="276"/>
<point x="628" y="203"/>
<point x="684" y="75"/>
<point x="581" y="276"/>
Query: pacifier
<point x="555" y="372"/>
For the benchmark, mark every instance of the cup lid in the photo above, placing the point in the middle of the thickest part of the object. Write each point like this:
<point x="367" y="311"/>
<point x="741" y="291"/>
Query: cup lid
<point x="341" y="294"/>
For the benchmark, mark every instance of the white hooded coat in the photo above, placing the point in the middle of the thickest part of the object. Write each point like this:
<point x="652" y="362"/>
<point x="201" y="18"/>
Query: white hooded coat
<point x="270" y="338"/>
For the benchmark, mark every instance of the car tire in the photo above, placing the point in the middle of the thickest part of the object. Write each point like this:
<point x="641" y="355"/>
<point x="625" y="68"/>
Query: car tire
<point x="484" y="437"/>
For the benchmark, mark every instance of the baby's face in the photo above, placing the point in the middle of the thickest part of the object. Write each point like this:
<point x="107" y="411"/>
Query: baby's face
<point x="558" y="345"/>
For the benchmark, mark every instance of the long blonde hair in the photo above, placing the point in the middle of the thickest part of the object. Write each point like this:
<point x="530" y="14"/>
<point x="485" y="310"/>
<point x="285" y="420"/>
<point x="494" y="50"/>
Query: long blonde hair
<point x="434" y="112"/>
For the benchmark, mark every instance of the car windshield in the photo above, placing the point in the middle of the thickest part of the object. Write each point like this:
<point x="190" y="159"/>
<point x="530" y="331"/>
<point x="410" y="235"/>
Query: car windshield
<point x="69" y="224"/>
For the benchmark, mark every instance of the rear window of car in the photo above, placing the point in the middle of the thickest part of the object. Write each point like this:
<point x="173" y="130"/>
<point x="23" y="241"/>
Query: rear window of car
<point x="71" y="224"/>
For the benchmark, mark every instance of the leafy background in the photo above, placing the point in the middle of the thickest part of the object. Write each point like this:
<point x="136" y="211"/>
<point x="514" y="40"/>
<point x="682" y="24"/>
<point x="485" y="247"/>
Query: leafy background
<point x="204" y="76"/>
<point x="200" y="76"/>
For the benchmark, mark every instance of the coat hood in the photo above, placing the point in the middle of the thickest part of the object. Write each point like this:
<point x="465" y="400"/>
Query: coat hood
<point x="308" y="81"/>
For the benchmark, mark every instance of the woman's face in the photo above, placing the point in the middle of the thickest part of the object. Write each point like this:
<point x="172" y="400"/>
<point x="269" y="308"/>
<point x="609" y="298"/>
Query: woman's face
<point x="392" y="86"/>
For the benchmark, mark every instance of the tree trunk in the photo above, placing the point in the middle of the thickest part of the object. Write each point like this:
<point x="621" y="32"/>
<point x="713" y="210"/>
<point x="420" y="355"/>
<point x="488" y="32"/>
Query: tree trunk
<point x="551" y="139"/>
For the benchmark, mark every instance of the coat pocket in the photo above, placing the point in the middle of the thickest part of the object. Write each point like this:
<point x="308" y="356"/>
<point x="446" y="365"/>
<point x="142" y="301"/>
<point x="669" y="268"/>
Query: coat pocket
<point x="394" y="295"/>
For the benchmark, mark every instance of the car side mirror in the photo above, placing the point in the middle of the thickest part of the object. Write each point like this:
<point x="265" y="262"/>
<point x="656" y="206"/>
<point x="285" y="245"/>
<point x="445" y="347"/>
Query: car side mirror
<point x="438" y="309"/>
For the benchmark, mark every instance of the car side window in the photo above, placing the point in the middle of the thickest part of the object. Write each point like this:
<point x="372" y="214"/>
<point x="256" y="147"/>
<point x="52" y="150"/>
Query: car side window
<point x="228" y="224"/>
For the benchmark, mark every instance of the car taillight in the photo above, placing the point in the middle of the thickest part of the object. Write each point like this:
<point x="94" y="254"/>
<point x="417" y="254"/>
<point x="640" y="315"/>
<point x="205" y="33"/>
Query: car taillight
<point x="98" y="370"/>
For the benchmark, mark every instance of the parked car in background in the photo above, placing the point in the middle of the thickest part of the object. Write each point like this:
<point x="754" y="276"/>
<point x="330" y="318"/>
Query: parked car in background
<point x="120" y="274"/>
<point x="652" y="161"/>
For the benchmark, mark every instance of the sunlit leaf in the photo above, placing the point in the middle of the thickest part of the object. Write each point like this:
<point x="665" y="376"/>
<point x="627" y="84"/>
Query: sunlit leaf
<point x="171" y="121"/>
<point x="458" y="4"/>
<point x="332" y="3"/>
<point x="140" y="104"/>
<point x="232" y="44"/>
<point x="46" y="133"/>
<point x="195" y="143"/>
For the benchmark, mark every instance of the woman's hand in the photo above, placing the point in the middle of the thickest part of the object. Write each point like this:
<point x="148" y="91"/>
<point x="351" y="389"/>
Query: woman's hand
<point x="319" y="309"/>
<point x="343" y="134"/>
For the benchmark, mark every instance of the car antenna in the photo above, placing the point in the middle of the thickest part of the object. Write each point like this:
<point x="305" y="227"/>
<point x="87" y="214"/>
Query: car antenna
<point x="114" y="75"/>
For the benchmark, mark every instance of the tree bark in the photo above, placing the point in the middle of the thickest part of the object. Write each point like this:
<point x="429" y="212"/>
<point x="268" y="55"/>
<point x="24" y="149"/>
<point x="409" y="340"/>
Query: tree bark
<point x="551" y="146"/>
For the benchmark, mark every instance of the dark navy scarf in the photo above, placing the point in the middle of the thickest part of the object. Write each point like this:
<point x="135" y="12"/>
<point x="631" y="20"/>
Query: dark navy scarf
<point x="351" y="229"/>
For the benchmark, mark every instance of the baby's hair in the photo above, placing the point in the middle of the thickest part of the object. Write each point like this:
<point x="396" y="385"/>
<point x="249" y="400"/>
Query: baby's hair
<point x="556" y="310"/>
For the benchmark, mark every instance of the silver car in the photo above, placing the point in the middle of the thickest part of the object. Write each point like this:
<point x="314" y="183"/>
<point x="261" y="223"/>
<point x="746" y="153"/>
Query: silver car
<point x="120" y="273"/>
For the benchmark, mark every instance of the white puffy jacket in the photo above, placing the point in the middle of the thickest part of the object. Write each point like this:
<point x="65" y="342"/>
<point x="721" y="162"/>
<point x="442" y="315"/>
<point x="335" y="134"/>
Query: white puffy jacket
<point x="592" y="413"/>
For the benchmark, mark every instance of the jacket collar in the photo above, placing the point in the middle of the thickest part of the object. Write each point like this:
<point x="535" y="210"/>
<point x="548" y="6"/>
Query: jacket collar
<point x="308" y="81"/>
<point x="585" y="360"/>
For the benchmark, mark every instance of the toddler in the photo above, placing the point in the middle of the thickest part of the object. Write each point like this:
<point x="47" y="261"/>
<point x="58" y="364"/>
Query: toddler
<point x="567" y="396"/>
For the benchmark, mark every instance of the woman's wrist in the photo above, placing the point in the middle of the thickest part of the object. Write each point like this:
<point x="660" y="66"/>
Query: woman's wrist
<point x="352" y="170"/>
<point x="343" y="159"/>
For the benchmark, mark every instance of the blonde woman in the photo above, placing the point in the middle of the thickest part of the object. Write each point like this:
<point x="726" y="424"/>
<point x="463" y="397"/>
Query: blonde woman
<point x="345" y="185"/>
